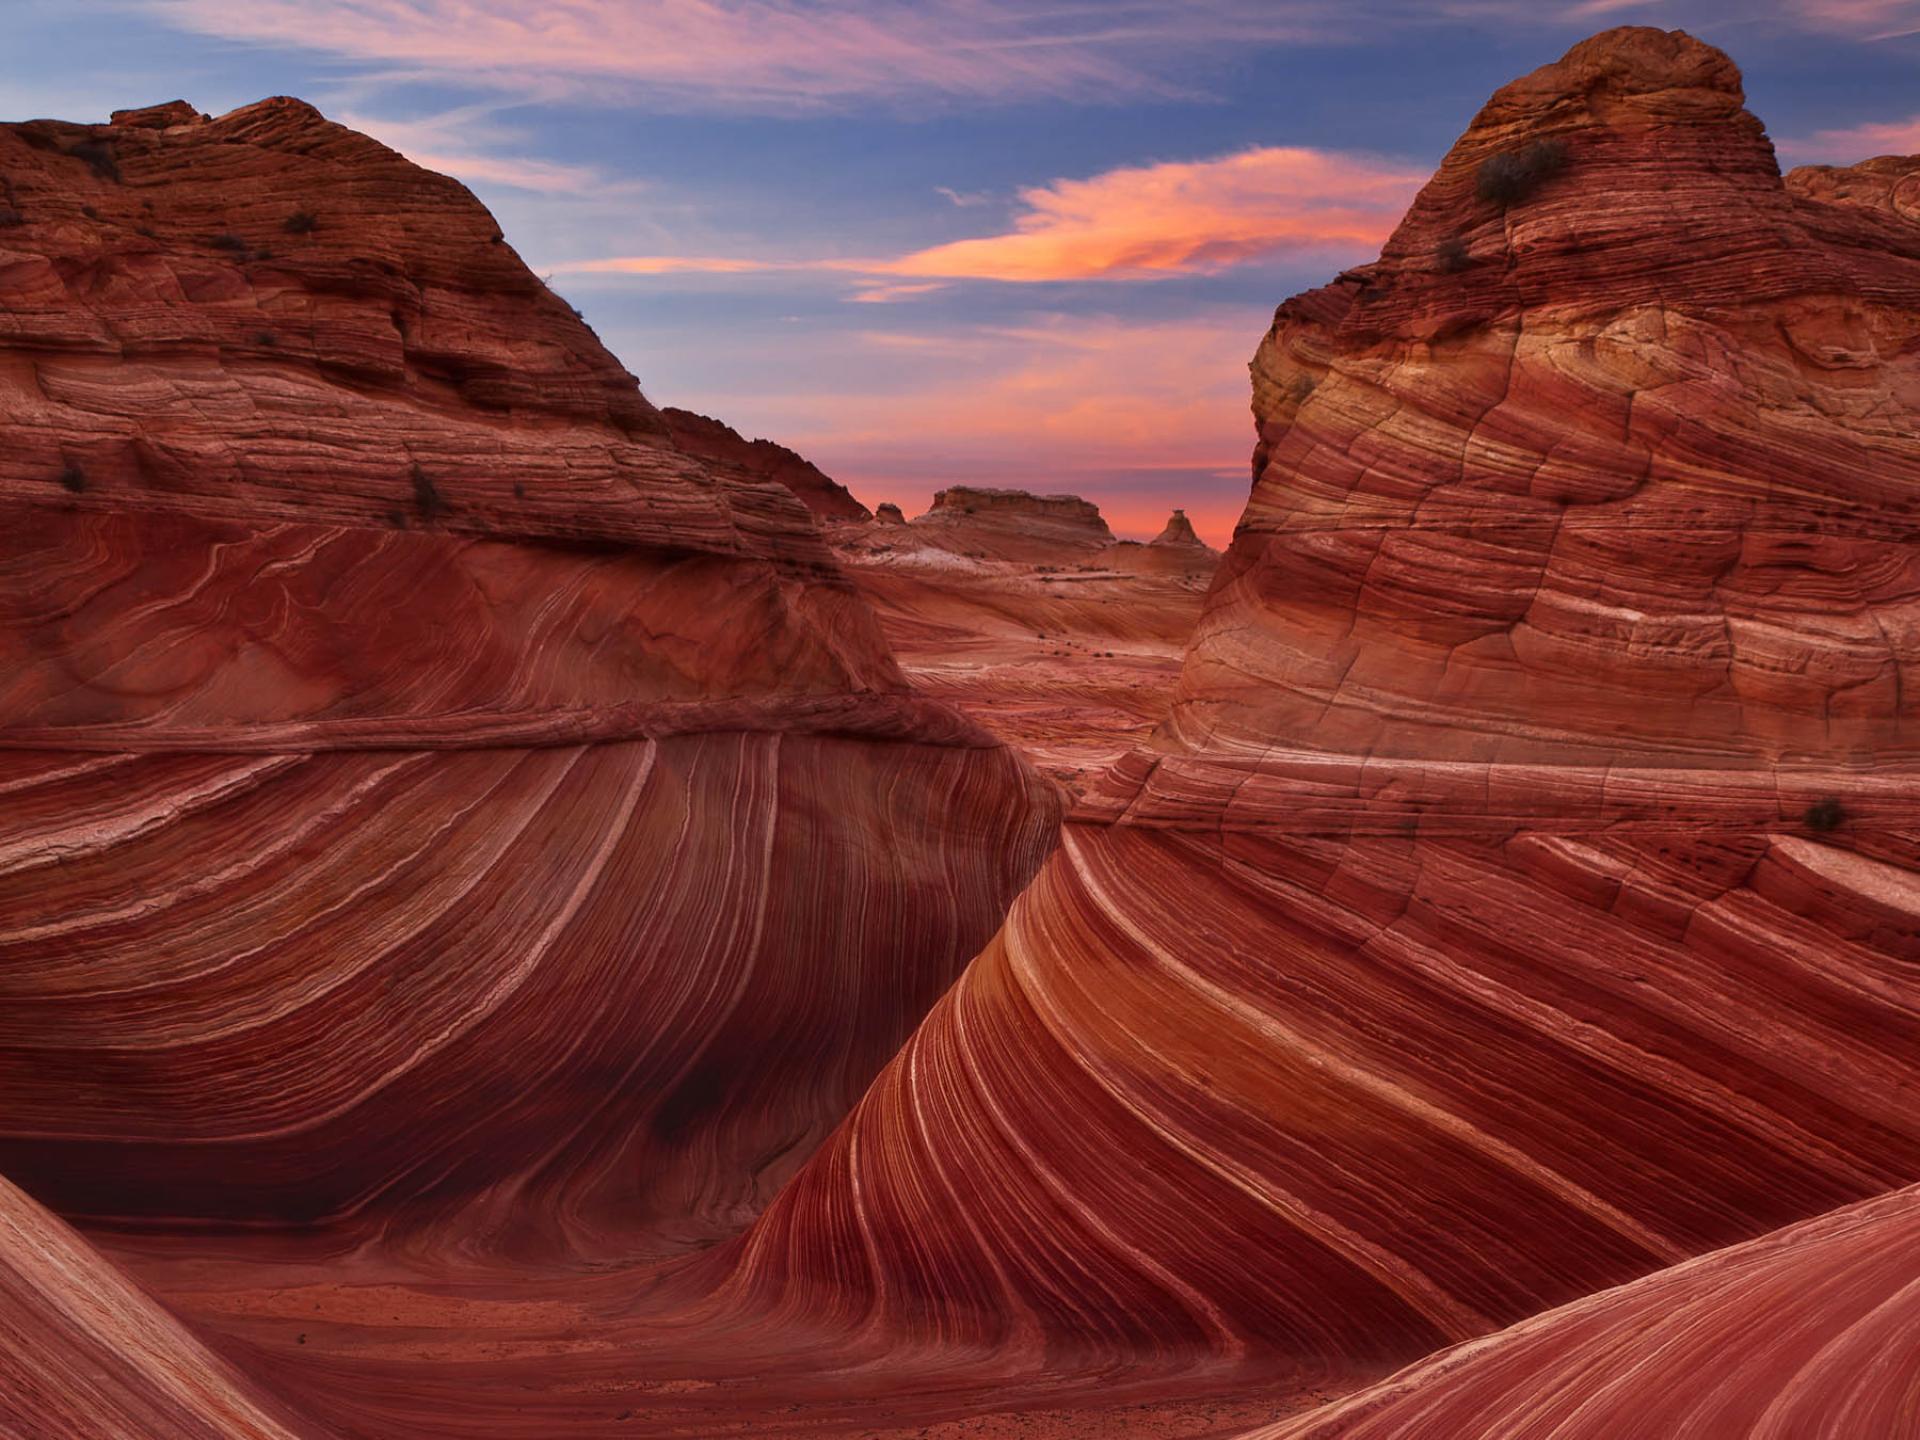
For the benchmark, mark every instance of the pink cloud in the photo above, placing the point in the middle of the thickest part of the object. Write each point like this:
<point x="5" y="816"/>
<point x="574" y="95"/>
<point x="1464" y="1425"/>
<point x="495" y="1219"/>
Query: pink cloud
<point x="1858" y="142"/>
<point x="774" y="54"/>
<point x="1138" y="416"/>
<point x="1860" y="19"/>
<point x="1182" y="217"/>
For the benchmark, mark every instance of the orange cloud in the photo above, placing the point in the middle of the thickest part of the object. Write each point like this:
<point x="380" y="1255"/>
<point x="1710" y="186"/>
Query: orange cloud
<point x="1181" y="217"/>
<point x="1140" y="222"/>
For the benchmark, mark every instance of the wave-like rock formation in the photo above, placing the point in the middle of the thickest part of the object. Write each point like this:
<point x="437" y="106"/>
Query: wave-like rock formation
<point x="1523" y="895"/>
<point x="84" y="1352"/>
<point x="1024" y="612"/>
<point x="1808" y="1332"/>
<point x="719" y="443"/>
<point x="444" y="822"/>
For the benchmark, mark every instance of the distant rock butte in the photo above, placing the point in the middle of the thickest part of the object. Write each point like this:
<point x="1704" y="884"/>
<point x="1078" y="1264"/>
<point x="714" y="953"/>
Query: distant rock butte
<point x="889" y="513"/>
<point x="715" y="441"/>
<point x="1026" y="613"/>
<point x="1521" y="896"/>
<point x="1179" y="532"/>
<point x="1058" y="519"/>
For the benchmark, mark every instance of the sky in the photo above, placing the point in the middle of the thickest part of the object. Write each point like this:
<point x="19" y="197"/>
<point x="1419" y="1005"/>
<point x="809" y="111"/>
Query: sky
<point x="1029" y="243"/>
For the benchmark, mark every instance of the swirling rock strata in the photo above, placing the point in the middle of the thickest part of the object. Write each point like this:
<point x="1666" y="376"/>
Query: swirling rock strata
<point x="84" y="1352"/>
<point x="443" y="821"/>
<point x="1617" y="468"/>
<point x="1522" y="896"/>
<point x="1805" y="1332"/>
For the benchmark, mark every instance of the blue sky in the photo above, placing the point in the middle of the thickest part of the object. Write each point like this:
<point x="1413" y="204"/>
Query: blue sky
<point x="948" y="241"/>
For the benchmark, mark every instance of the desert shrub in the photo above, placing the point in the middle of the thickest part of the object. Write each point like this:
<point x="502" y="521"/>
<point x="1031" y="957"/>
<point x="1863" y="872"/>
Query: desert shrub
<point x="72" y="477"/>
<point x="265" y="338"/>
<point x="98" y="157"/>
<point x="10" y="217"/>
<point x="1827" y="814"/>
<point x="301" y="222"/>
<point x="229" y="242"/>
<point x="427" y="498"/>
<point x="1451" y="257"/>
<point x="1513" y="175"/>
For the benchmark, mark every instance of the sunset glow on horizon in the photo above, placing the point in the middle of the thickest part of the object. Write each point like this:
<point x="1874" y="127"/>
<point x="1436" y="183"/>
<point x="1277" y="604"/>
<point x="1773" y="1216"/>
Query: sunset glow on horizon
<point x="959" y="242"/>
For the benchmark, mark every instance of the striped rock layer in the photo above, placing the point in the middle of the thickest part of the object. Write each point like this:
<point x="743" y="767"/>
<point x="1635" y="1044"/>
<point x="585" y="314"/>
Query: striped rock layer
<point x="1808" y="1331"/>
<point x="1524" y="894"/>
<point x="438" y="814"/>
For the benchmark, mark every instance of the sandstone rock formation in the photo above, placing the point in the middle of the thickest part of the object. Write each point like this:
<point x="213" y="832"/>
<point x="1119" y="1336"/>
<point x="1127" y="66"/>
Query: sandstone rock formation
<point x="447" y="822"/>
<point x="1023" y="611"/>
<point x="417" y="937"/>
<point x="1521" y="897"/>
<point x="719" y="443"/>
<point x="1179" y="532"/>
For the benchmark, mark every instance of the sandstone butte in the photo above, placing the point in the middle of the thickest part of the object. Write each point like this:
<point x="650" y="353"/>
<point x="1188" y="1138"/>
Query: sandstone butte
<point x="1025" y="613"/>
<point x="1500" y="963"/>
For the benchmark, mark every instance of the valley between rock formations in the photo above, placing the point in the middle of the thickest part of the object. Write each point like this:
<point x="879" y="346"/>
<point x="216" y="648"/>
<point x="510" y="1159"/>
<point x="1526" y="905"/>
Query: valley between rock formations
<point x="522" y="915"/>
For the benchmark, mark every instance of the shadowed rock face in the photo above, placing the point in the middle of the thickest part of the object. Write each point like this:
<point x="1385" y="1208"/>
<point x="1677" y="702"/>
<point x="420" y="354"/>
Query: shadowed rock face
<point x="443" y="820"/>
<point x="1523" y="895"/>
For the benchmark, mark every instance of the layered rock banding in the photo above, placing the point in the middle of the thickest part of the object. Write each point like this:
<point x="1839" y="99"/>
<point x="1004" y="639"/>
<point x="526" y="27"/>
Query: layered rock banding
<point x="1025" y="612"/>
<point x="1520" y="901"/>
<point x="1804" y="1332"/>
<point x="1521" y="896"/>
<point x="719" y="443"/>
<point x="444" y="820"/>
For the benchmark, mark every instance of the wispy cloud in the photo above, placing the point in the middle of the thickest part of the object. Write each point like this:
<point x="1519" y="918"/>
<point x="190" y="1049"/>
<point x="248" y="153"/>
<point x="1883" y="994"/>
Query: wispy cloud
<point x="1182" y="217"/>
<point x="1859" y="19"/>
<point x="1142" y="222"/>
<point x="467" y="144"/>
<point x="1136" y="414"/>
<point x="776" y="54"/>
<point x="1856" y="142"/>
